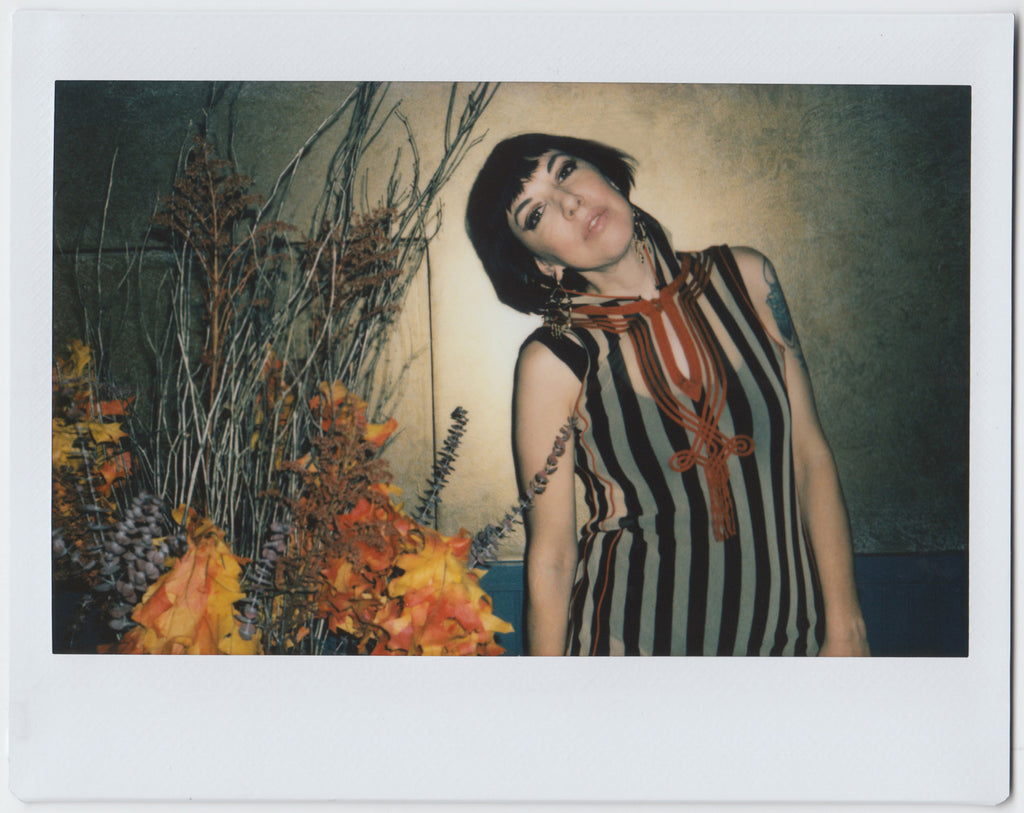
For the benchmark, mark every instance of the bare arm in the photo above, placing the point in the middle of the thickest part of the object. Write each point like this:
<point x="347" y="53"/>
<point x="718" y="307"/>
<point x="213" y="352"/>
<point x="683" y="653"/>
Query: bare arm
<point x="545" y="396"/>
<point x="817" y="479"/>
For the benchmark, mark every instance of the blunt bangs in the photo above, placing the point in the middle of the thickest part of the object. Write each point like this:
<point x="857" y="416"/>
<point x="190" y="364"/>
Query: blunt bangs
<point x="520" y="171"/>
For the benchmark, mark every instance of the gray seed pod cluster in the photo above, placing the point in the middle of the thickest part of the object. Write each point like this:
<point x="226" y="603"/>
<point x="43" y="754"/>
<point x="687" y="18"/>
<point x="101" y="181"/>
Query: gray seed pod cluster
<point x="273" y="549"/>
<point x="57" y="543"/>
<point x="134" y="554"/>
<point x="262" y="578"/>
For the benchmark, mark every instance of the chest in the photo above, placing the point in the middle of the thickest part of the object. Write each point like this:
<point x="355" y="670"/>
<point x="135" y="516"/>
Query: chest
<point x="685" y="350"/>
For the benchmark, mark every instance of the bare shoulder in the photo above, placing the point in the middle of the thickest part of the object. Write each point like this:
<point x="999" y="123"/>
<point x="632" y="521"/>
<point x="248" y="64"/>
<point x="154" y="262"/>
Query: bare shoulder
<point x="757" y="271"/>
<point x="535" y="352"/>
<point x="539" y="367"/>
<point x="546" y="390"/>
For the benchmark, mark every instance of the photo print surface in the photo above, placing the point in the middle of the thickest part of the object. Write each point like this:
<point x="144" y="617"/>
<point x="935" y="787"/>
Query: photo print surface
<point x="865" y="157"/>
<point x="283" y="384"/>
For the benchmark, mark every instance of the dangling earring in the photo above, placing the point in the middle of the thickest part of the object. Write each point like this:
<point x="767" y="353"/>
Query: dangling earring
<point x="639" y="235"/>
<point x="557" y="311"/>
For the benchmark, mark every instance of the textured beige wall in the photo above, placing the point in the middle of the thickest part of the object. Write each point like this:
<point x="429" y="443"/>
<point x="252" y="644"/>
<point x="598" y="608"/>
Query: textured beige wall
<point x="858" y="194"/>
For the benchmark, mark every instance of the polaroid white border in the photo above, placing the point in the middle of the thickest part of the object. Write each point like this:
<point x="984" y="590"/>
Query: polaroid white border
<point x="679" y="729"/>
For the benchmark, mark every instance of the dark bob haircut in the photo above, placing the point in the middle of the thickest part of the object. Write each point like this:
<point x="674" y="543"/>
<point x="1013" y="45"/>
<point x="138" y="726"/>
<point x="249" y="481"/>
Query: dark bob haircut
<point x="517" y="280"/>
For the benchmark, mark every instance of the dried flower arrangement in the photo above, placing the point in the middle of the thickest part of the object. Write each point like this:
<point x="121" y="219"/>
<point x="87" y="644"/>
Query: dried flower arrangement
<point x="248" y="508"/>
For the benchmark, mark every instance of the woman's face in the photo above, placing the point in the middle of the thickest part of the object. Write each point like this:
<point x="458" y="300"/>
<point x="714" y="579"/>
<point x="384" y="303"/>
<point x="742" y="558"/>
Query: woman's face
<point x="569" y="215"/>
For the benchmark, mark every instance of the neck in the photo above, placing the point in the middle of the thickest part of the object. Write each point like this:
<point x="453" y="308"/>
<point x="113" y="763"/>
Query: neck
<point x="629" y="277"/>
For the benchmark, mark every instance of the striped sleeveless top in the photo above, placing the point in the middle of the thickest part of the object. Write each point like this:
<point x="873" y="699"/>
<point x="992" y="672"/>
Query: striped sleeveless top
<point x="694" y="544"/>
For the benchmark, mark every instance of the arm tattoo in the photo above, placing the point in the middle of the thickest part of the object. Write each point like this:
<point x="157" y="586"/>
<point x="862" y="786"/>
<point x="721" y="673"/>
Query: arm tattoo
<point x="780" y="310"/>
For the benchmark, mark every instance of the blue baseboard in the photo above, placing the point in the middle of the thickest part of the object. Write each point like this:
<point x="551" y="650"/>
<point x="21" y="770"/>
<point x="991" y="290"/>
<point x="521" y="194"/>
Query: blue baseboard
<point x="504" y="583"/>
<point x="915" y="604"/>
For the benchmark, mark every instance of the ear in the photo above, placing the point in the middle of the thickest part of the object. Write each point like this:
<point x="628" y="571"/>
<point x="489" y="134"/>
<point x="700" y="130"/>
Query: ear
<point x="551" y="270"/>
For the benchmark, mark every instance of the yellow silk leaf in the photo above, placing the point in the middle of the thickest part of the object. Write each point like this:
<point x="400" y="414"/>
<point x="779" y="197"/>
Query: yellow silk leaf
<point x="80" y="358"/>
<point x="335" y="392"/>
<point x="190" y="608"/>
<point x="444" y="612"/>
<point x="378" y="433"/>
<point x="64" y="438"/>
<point x="106" y="432"/>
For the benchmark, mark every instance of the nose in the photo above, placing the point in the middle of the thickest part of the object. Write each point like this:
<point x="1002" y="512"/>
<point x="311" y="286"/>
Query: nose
<point x="570" y="203"/>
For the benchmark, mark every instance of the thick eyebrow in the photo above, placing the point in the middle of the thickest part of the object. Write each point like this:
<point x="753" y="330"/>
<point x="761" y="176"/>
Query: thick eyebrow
<point x="519" y="208"/>
<point x="551" y="162"/>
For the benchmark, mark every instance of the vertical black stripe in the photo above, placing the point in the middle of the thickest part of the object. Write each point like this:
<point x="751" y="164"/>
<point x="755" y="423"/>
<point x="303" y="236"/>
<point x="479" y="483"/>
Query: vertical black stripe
<point x="700" y="573"/>
<point x="604" y="588"/>
<point x="757" y="495"/>
<point x="782" y="619"/>
<point x="802" y="620"/>
<point x="578" y="602"/>
<point x="665" y="605"/>
<point x="634" y="597"/>
<point x="731" y="597"/>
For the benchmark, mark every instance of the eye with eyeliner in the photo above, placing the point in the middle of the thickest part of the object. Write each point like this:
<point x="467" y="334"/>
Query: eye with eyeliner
<point x="532" y="219"/>
<point x="562" y="172"/>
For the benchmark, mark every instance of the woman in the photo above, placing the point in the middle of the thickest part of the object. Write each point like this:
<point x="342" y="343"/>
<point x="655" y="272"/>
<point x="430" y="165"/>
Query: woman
<point x="696" y="436"/>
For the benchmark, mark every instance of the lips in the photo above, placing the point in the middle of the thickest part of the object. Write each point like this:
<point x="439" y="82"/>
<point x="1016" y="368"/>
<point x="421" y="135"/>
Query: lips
<point x="596" y="223"/>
